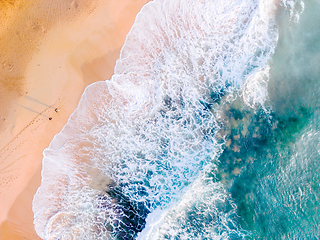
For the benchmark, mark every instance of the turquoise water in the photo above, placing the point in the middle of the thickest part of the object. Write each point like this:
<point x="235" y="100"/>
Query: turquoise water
<point x="209" y="129"/>
<point x="278" y="196"/>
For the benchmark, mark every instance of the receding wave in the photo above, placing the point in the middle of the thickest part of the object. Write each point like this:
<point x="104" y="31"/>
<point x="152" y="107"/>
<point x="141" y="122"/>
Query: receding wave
<point x="148" y="141"/>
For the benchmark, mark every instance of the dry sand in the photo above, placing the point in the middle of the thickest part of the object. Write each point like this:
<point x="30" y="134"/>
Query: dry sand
<point x="49" y="52"/>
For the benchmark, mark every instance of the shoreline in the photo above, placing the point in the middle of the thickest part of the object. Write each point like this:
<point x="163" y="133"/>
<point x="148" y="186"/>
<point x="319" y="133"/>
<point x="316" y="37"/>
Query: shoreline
<point x="70" y="56"/>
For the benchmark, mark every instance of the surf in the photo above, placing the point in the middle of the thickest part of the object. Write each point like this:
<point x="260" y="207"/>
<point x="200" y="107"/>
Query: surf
<point x="150" y="137"/>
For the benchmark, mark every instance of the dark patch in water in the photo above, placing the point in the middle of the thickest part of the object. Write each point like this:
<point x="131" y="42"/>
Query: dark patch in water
<point x="254" y="146"/>
<point x="132" y="215"/>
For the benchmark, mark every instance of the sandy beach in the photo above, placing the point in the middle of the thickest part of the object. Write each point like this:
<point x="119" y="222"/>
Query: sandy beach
<point x="50" y="51"/>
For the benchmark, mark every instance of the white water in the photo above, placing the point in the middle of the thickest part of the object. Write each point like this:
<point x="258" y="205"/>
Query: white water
<point x="151" y="131"/>
<point x="206" y="211"/>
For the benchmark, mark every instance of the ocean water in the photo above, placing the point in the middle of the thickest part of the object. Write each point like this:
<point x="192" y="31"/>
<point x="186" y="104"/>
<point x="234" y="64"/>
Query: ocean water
<point x="208" y="129"/>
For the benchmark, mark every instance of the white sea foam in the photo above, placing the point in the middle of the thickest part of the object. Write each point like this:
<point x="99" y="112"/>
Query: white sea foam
<point x="294" y="7"/>
<point x="255" y="90"/>
<point x="205" y="211"/>
<point x="138" y="140"/>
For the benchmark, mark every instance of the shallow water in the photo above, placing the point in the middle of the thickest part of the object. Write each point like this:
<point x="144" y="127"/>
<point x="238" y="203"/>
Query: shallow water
<point x="207" y="130"/>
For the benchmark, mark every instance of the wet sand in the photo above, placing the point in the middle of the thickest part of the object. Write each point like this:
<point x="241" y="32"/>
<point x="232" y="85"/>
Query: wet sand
<point x="50" y="51"/>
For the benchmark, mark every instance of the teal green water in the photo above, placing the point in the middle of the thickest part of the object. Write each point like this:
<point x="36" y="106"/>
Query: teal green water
<point x="209" y="129"/>
<point x="278" y="191"/>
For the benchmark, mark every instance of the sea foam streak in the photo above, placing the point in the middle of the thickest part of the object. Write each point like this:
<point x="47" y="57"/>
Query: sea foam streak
<point x="137" y="142"/>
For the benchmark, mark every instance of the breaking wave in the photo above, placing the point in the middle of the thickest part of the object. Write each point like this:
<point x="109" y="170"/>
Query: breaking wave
<point x="140" y="155"/>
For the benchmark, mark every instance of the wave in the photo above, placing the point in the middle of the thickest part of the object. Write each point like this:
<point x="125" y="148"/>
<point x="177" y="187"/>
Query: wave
<point x="144" y="140"/>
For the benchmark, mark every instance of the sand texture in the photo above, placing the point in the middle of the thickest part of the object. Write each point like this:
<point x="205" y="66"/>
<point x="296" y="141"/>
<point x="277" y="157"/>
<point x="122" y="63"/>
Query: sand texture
<point x="49" y="52"/>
